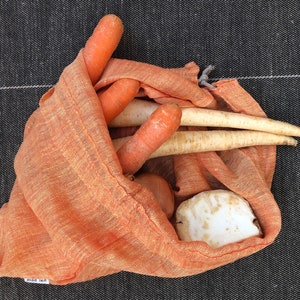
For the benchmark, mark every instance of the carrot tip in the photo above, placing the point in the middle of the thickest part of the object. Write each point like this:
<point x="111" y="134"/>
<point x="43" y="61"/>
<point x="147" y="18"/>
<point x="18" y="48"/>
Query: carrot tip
<point x="101" y="44"/>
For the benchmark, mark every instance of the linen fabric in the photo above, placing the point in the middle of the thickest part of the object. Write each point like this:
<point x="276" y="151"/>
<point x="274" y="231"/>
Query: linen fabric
<point x="73" y="216"/>
<point x="255" y="41"/>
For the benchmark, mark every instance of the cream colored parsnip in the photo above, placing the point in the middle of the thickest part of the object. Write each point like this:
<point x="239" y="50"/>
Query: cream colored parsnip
<point x="138" y="111"/>
<point x="182" y="142"/>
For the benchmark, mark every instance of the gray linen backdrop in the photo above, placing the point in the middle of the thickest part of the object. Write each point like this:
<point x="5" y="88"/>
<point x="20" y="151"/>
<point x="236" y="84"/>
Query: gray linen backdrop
<point x="254" y="41"/>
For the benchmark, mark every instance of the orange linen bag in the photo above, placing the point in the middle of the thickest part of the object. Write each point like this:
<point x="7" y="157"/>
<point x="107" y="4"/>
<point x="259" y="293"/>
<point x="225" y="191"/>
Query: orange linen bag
<point x="73" y="216"/>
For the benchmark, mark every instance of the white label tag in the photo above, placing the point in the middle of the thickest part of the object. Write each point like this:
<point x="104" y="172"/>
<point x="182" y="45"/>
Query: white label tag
<point x="35" y="280"/>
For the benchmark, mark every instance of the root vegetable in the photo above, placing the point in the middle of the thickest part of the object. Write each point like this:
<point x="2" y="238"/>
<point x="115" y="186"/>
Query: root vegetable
<point x="216" y="140"/>
<point x="101" y="45"/>
<point x="160" y="189"/>
<point x="135" y="114"/>
<point x="138" y="111"/>
<point x="155" y="131"/>
<point x="215" y="118"/>
<point x="216" y="217"/>
<point x="116" y="97"/>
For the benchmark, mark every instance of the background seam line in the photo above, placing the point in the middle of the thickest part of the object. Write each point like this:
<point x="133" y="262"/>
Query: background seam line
<point x="291" y="76"/>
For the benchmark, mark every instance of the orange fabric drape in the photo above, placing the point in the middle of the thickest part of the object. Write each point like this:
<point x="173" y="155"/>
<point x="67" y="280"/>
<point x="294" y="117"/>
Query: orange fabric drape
<point x="73" y="216"/>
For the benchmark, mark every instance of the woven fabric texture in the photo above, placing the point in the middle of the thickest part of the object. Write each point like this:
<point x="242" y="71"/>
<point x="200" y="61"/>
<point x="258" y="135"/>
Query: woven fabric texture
<point x="257" y="42"/>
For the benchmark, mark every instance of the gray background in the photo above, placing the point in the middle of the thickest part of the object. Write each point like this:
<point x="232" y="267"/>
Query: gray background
<point x="255" y="41"/>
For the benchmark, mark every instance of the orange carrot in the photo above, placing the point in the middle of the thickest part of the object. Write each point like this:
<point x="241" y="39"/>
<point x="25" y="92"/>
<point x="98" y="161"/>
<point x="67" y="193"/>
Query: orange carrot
<point x="101" y="45"/>
<point x="117" y="96"/>
<point x="155" y="131"/>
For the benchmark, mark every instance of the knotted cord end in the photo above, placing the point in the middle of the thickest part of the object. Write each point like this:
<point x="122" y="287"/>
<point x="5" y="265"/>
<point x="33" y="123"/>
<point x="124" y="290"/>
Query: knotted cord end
<point x="205" y="76"/>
